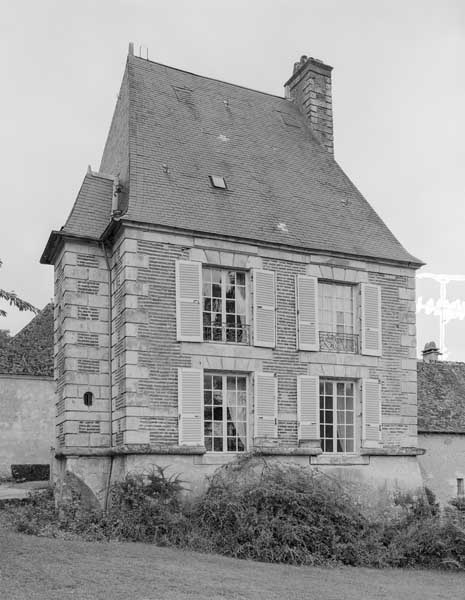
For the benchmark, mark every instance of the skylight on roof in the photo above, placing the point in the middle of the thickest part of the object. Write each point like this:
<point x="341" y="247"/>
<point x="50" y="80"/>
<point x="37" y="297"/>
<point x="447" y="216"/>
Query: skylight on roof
<point x="289" y="120"/>
<point x="183" y="94"/>
<point x="218" y="182"/>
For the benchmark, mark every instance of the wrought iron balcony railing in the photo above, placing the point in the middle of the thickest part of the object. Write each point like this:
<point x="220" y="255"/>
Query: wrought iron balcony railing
<point x="227" y="334"/>
<point x="338" y="342"/>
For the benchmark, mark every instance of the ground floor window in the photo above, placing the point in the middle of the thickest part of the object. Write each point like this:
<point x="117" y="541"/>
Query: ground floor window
<point x="337" y="416"/>
<point x="225" y="412"/>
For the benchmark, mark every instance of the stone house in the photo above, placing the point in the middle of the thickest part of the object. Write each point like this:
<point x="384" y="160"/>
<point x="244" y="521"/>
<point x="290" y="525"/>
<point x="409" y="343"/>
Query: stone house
<point x="222" y="287"/>
<point x="441" y="424"/>
<point x="27" y="394"/>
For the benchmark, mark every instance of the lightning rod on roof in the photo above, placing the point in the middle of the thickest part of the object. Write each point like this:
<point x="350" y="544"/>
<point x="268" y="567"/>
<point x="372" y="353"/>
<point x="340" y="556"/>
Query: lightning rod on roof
<point x="442" y="308"/>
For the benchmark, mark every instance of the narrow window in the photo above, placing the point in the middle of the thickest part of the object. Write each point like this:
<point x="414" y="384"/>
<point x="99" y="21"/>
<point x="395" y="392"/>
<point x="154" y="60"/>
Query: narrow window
<point x="337" y="416"/>
<point x="224" y="306"/>
<point x="218" y="182"/>
<point x="336" y="317"/>
<point x="225" y="412"/>
<point x="88" y="398"/>
<point x="460" y="488"/>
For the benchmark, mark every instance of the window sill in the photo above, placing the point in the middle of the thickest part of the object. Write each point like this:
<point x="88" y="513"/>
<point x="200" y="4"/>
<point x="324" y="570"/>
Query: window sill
<point x="402" y="451"/>
<point x="226" y="349"/>
<point x="217" y="458"/>
<point x="343" y="459"/>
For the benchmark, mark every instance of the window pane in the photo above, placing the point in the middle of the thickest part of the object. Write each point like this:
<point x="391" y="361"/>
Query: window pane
<point x="241" y="383"/>
<point x="208" y="443"/>
<point x="218" y="429"/>
<point x="218" y="444"/>
<point x="207" y="428"/>
<point x="207" y="413"/>
<point x="217" y="397"/>
<point x="340" y="389"/>
<point x="217" y="414"/>
<point x="232" y="444"/>
<point x="217" y="382"/>
<point x="328" y="387"/>
<point x="216" y="290"/>
<point x="207" y="396"/>
<point x="216" y="276"/>
<point x="207" y="382"/>
<point x="240" y="278"/>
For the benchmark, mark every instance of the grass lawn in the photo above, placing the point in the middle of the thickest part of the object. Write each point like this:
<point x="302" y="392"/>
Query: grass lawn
<point x="33" y="568"/>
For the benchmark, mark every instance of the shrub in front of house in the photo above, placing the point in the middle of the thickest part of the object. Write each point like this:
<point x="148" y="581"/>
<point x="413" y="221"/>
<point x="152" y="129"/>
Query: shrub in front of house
<point x="260" y="510"/>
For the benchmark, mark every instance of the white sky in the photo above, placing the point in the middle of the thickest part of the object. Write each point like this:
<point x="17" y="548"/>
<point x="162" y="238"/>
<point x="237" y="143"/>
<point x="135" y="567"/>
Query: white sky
<point x="398" y="93"/>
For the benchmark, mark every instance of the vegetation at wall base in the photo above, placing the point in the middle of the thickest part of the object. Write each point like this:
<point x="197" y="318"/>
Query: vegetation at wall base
<point x="260" y="511"/>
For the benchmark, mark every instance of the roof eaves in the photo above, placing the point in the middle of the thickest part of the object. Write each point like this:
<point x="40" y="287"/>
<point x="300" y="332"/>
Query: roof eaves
<point x="55" y="241"/>
<point x="288" y="247"/>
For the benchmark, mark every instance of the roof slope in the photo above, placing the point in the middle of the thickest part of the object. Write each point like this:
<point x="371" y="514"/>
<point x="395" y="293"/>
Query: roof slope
<point x="30" y="352"/>
<point x="441" y="397"/>
<point x="91" y="211"/>
<point x="180" y="128"/>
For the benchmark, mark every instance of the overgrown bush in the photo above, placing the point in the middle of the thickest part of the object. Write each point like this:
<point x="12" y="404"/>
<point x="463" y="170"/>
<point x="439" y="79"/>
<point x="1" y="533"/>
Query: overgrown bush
<point x="289" y="515"/>
<point x="263" y="511"/>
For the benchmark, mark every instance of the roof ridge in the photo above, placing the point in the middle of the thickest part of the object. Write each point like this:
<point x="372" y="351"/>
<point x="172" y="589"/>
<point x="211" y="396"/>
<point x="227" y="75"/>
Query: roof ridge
<point x="237" y="85"/>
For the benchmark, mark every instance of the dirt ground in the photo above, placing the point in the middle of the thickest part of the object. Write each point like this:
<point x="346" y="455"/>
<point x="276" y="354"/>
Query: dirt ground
<point x="33" y="568"/>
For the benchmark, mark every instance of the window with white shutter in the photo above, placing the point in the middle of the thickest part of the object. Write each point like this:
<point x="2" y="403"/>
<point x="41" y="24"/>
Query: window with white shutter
<point x="188" y="301"/>
<point x="371" y="319"/>
<point x="190" y="407"/>
<point x="371" y="413"/>
<point x="265" y="405"/>
<point x="308" y="407"/>
<point x="307" y="313"/>
<point x="264" y="308"/>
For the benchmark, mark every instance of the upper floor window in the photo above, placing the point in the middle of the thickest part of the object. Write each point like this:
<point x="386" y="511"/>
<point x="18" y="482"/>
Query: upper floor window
<point x="336" y="318"/>
<point x="224" y="305"/>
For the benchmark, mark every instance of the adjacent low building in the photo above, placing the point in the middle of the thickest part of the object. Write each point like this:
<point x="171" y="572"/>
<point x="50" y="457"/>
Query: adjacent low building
<point x="27" y="395"/>
<point x="222" y="287"/>
<point x="441" y="424"/>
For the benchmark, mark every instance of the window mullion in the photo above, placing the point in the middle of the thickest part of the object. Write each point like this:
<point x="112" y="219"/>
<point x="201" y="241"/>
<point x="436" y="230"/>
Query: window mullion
<point x="225" y="415"/>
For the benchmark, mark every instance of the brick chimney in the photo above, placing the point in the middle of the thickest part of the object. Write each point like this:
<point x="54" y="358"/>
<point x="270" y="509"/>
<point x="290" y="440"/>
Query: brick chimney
<point x="431" y="352"/>
<point x="310" y="89"/>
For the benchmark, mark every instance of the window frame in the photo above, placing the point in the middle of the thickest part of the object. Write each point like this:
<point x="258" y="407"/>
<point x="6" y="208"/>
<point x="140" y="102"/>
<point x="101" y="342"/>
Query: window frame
<point x="357" y="416"/>
<point x="356" y="313"/>
<point x="248" y="390"/>
<point x="247" y="328"/>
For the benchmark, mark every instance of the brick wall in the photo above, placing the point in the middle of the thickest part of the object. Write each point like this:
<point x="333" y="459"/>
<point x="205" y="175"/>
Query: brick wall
<point x="146" y="354"/>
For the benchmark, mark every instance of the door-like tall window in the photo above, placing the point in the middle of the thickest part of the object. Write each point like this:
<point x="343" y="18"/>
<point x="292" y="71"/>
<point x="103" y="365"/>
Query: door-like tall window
<point x="225" y="412"/>
<point x="336" y="318"/>
<point x="224" y="305"/>
<point x="337" y="416"/>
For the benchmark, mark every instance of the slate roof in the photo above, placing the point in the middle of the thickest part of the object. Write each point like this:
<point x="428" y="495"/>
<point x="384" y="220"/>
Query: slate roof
<point x="91" y="211"/>
<point x="441" y="397"/>
<point x="172" y="129"/>
<point x="30" y="352"/>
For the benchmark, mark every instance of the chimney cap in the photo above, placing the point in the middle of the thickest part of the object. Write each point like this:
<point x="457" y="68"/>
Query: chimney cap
<point x="431" y="352"/>
<point x="309" y="61"/>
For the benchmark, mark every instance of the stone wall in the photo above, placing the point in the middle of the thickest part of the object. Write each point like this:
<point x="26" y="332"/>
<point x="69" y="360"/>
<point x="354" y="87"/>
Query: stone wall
<point x="81" y="340"/>
<point x="27" y="409"/>
<point x="443" y="463"/>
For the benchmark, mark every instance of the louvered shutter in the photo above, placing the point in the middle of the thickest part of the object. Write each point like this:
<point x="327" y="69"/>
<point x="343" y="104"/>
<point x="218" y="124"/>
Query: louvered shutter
<point x="371" y="319"/>
<point x="190" y="407"/>
<point x="307" y="312"/>
<point x="265" y="405"/>
<point x="189" y="301"/>
<point x="371" y="413"/>
<point x="264" y="301"/>
<point x="308" y="407"/>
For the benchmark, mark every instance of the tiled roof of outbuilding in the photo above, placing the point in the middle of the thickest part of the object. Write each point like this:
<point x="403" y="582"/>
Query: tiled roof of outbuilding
<point x="180" y="128"/>
<point x="441" y="397"/>
<point x="30" y="352"/>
